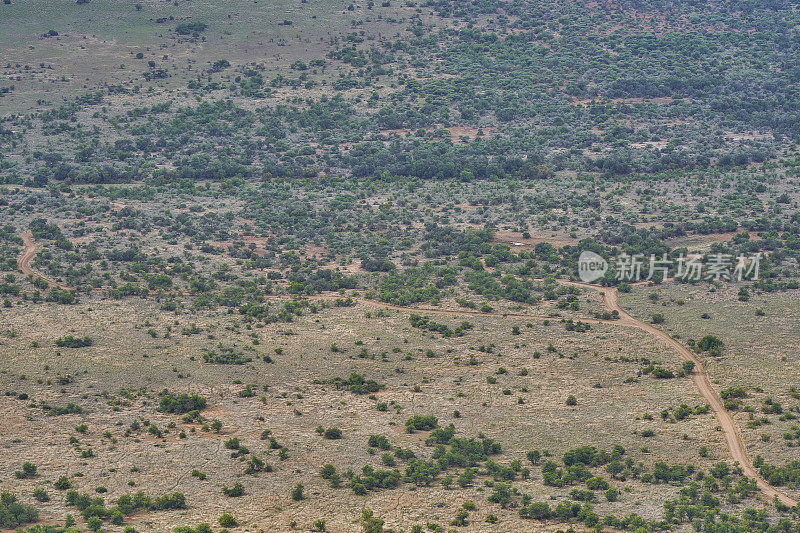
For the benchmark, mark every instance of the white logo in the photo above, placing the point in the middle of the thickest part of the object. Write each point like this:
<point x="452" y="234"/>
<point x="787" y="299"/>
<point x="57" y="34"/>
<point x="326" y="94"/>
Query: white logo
<point x="591" y="266"/>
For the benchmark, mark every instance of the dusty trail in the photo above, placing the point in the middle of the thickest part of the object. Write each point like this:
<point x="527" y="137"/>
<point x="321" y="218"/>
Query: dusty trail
<point x="609" y="294"/>
<point x="703" y="384"/>
<point x="27" y="255"/>
<point x="699" y="375"/>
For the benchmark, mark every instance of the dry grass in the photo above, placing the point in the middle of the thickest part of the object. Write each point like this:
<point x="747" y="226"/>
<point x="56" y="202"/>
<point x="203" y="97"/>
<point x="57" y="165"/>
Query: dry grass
<point x="125" y="355"/>
<point x="760" y="351"/>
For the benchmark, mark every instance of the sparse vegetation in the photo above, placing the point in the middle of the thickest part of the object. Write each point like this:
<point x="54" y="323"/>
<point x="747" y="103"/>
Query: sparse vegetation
<point x="244" y="239"/>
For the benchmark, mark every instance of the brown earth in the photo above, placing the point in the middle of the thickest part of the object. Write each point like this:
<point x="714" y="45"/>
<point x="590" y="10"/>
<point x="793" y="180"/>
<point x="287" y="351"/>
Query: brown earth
<point x="610" y="301"/>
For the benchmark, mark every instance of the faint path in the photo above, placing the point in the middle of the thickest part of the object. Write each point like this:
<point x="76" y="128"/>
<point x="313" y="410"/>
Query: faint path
<point x="420" y="310"/>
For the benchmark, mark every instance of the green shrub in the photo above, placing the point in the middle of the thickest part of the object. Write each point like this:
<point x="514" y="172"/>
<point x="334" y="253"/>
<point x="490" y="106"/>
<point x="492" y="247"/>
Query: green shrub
<point x="234" y="492"/>
<point x="182" y="403"/>
<point x="227" y="520"/>
<point x="188" y="28"/>
<point x="28" y="471"/>
<point x="710" y="342"/>
<point x="357" y="384"/>
<point x="539" y="511"/>
<point x="378" y="441"/>
<point x="332" y="433"/>
<point x="571" y="400"/>
<point x="73" y="342"/>
<point x="421" y="423"/>
<point x="297" y="492"/>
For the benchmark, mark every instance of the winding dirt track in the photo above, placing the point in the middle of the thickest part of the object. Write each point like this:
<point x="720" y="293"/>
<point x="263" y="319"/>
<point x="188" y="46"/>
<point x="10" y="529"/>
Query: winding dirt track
<point x="701" y="380"/>
<point x="699" y="374"/>
<point x="27" y="255"/>
<point x="609" y="294"/>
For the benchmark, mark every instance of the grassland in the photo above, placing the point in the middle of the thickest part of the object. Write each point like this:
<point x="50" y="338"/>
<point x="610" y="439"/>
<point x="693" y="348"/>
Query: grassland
<point x="257" y="258"/>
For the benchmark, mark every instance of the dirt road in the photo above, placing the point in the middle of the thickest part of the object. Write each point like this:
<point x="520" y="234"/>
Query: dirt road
<point x="609" y="295"/>
<point x="27" y="255"/>
<point x="703" y="384"/>
<point x="699" y="374"/>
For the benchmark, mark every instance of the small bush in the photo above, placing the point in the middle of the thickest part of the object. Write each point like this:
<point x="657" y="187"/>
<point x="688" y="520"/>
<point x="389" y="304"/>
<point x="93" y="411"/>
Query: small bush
<point x="421" y="423"/>
<point x="73" y="342"/>
<point x="332" y="433"/>
<point x="227" y="520"/>
<point x="181" y="404"/>
<point x="297" y="492"/>
<point x="234" y="492"/>
<point x="572" y="400"/>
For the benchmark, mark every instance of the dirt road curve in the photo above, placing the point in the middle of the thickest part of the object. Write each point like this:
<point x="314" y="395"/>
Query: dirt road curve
<point x="699" y="375"/>
<point x="701" y="380"/>
<point x="27" y="255"/>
